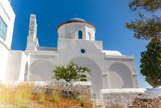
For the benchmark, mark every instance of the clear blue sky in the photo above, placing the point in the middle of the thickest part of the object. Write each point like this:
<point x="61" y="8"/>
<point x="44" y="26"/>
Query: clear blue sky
<point x="108" y="16"/>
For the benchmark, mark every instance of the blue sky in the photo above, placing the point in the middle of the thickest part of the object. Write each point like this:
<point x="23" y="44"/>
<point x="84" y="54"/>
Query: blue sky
<point x="108" y="16"/>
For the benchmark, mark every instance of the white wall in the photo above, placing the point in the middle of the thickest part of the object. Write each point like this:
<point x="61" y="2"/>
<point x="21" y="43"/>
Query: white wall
<point x="8" y="16"/>
<point x="95" y="76"/>
<point x="120" y="76"/>
<point x="23" y="67"/>
<point x="70" y="31"/>
<point x="89" y="33"/>
<point x="3" y="61"/>
<point x="127" y="65"/>
<point x="15" y="66"/>
<point x="41" y="70"/>
<point x="69" y="49"/>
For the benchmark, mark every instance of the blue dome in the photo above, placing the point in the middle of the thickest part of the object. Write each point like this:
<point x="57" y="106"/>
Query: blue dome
<point x="76" y="19"/>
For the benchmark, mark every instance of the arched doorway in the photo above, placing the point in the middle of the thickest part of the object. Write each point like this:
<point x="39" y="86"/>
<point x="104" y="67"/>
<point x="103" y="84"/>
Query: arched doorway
<point x="120" y="76"/>
<point x="41" y="70"/>
<point x="96" y="74"/>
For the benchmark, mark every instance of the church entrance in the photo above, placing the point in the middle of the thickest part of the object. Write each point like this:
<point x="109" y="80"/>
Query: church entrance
<point x="96" y="74"/>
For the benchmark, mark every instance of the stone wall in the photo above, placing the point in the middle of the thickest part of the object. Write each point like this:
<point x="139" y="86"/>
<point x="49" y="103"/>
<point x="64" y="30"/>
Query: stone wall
<point x="78" y="88"/>
<point x="49" y="85"/>
<point x="146" y="103"/>
<point x="129" y="97"/>
<point x="122" y="98"/>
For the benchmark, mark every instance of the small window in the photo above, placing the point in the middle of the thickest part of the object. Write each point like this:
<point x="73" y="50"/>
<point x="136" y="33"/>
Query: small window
<point x="83" y="51"/>
<point x="80" y="35"/>
<point x="3" y="29"/>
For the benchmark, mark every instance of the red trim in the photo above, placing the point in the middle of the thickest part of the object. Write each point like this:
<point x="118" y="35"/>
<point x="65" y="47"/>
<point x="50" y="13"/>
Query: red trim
<point x="77" y="22"/>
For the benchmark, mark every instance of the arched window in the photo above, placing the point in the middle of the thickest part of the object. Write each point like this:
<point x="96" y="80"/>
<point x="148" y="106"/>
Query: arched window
<point x="80" y="35"/>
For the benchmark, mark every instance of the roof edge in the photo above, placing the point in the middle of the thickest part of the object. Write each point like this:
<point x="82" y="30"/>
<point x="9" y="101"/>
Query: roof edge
<point x="76" y="22"/>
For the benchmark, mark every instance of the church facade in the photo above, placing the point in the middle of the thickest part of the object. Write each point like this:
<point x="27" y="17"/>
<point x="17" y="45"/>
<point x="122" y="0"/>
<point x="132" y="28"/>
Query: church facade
<point x="76" y="43"/>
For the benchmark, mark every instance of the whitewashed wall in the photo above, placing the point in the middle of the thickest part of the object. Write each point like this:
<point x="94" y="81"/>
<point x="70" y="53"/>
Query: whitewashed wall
<point x="70" y="31"/>
<point x="121" y="72"/>
<point x="15" y="66"/>
<point x="96" y="73"/>
<point x="99" y="62"/>
<point x="8" y="16"/>
<point x="41" y="70"/>
<point x="3" y="61"/>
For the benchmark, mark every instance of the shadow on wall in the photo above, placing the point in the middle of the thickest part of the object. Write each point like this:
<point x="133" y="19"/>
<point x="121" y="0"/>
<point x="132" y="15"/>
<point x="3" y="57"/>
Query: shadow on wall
<point x="120" y="76"/>
<point x="41" y="70"/>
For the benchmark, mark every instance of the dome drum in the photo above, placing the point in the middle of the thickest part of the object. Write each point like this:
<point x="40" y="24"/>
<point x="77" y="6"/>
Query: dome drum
<point x="72" y="28"/>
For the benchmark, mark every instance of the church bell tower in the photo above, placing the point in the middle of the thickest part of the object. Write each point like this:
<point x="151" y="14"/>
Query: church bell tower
<point x="32" y="41"/>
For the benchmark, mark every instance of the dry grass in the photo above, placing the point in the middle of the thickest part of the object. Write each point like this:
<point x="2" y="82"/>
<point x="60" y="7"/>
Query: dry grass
<point x="22" y="97"/>
<point x="15" y="96"/>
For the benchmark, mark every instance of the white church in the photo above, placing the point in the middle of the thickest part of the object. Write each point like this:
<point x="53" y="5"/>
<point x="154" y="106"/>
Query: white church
<point x="76" y="43"/>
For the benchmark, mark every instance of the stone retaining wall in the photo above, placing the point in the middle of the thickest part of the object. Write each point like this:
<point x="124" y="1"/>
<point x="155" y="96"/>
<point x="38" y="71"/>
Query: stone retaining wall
<point x="128" y="97"/>
<point x="49" y="85"/>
